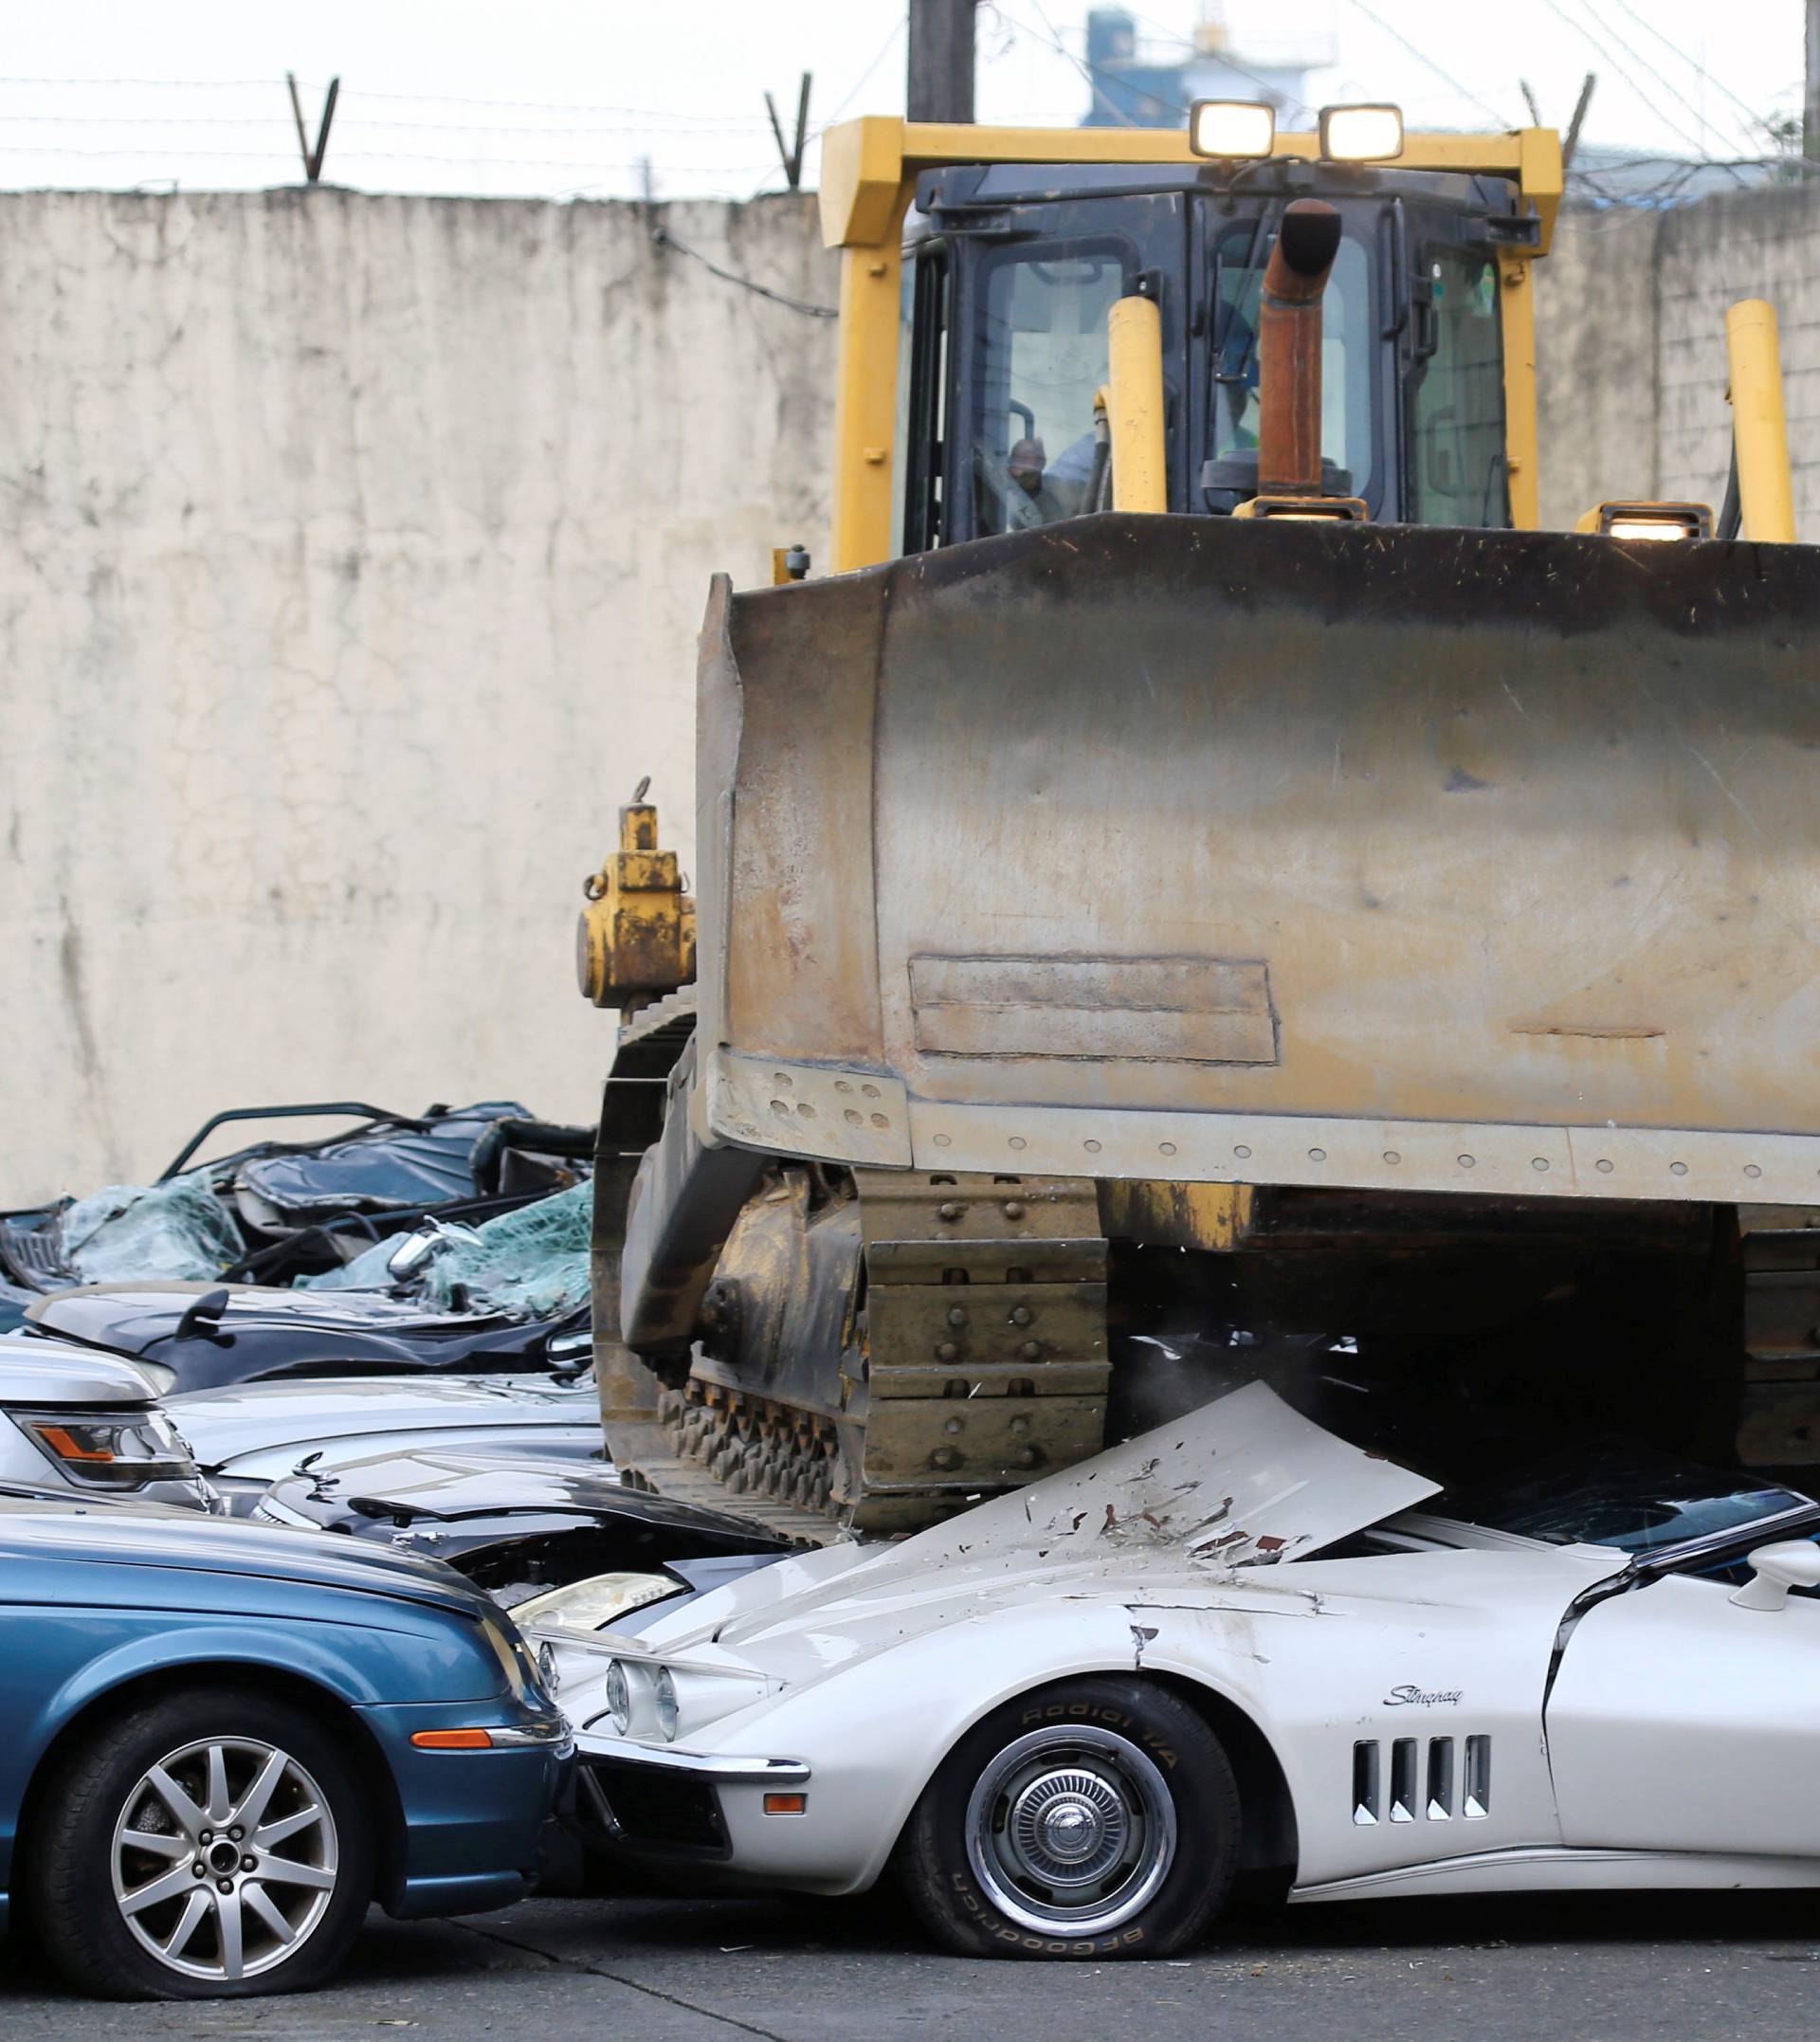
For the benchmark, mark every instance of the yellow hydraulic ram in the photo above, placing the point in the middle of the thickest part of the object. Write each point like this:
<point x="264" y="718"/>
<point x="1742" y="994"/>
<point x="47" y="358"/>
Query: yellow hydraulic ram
<point x="1760" y="424"/>
<point x="1135" y="406"/>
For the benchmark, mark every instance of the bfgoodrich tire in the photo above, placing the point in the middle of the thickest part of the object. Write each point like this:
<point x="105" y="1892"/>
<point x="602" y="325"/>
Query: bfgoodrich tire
<point x="210" y="1844"/>
<point x="1098" y="1819"/>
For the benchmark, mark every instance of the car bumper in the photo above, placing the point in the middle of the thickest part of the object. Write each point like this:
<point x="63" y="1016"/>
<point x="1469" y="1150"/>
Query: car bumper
<point x="734" y="1768"/>
<point x="658" y="1806"/>
<point x="470" y="1819"/>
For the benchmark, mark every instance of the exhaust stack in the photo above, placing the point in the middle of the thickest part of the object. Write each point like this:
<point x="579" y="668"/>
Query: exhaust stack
<point x="1289" y="349"/>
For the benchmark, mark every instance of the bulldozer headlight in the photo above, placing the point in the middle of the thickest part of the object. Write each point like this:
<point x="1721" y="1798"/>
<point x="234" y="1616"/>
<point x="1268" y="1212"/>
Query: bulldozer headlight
<point x="1646" y="528"/>
<point x="1650" y="521"/>
<point x="1306" y="510"/>
<point x="1361" y="133"/>
<point x="1237" y="131"/>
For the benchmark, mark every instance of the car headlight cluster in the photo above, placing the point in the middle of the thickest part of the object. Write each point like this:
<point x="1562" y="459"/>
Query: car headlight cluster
<point x="110" y="1449"/>
<point x="653" y="1702"/>
<point x="663" y="1701"/>
<point x="619" y="1699"/>
<point x="641" y="1701"/>
<point x="597" y="1603"/>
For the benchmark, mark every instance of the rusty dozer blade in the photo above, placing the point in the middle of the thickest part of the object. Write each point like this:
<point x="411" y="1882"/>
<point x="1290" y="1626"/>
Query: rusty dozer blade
<point x="1215" y="850"/>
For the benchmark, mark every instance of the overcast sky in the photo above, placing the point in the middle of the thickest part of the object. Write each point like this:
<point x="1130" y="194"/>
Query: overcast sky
<point x="567" y="98"/>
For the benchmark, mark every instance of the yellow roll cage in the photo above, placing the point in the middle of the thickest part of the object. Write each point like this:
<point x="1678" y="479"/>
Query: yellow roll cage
<point x="869" y="169"/>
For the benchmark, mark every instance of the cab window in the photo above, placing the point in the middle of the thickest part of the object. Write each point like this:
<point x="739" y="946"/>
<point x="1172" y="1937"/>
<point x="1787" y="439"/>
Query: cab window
<point x="1457" y="473"/>
<point x="1040" y="356"/>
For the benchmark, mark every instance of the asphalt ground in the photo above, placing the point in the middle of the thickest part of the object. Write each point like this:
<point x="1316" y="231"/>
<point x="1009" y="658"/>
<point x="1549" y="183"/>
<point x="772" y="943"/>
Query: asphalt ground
<point x="1603" y="1968"/>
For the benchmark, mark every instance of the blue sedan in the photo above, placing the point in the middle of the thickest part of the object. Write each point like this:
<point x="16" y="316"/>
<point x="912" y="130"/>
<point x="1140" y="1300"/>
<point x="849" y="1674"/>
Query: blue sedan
<point x="219" y="1743"/>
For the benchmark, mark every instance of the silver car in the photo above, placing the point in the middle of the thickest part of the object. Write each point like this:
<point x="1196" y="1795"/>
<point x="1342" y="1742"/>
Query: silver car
<point x="91" y="1423"/>
<point x="247" y="1437"/>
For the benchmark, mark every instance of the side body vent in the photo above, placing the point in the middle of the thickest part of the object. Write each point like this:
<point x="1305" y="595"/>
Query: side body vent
<point x="1450" y="1788"/>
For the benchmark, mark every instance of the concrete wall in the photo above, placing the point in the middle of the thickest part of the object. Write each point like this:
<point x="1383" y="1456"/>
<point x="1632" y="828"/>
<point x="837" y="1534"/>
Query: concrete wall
<point x="1631" y="317"/>
<point x="351" y="553"/>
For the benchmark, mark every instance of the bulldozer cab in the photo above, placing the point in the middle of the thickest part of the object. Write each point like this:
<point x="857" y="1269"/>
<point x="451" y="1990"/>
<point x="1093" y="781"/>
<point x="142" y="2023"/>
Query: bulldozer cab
<point x="980" y="267"/>
<point x="1010" y="276"/>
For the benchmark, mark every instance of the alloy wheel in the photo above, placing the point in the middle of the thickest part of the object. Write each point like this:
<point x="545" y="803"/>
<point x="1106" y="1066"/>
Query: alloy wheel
<point x="223" y="1859"/>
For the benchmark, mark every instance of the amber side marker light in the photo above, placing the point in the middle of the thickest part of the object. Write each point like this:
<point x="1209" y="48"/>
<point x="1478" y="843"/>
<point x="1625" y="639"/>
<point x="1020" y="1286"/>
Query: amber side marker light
<point x="786" y="1804"/>
<point x="452" y="1740"/>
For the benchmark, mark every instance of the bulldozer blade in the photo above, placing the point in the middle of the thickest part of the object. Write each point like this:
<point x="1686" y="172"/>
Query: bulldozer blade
<point x="1257" y="851"/>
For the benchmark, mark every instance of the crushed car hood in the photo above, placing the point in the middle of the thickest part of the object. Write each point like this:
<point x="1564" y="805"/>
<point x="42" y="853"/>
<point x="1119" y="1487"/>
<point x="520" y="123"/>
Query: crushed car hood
<point x="130" y="1318"/>
<point x="1243" y="1483"/>
<point x="457" y="1488"/>
<point x="228" y="1426"/>
<point x="267" y="1332"/>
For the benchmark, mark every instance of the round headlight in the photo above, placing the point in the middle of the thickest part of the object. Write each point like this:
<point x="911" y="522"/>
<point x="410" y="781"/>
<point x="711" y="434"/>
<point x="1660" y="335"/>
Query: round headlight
<point x="619" y="1698"/>
<point x="663" y="1687"/>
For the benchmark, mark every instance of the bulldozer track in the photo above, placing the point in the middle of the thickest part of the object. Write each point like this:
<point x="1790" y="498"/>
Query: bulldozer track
<point x="978" y="1364"/>
<point x="722" y="1450"/>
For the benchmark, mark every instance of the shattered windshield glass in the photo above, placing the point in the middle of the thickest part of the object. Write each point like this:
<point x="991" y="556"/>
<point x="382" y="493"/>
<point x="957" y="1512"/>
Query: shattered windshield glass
<point x="1618" y="1495"/>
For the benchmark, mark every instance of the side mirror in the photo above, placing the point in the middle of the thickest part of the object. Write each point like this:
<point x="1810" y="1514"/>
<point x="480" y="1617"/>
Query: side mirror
<point x="202" y="1322"/>
<point x="568" y="1354"/>
<point x="1774" y="1570"/>
<point x="414" y="1251"/>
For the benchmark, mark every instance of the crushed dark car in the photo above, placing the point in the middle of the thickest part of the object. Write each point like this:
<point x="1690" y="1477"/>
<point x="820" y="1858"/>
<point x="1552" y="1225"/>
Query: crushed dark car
<point x="372" y="1278"/>
<point x="520" y="1529"/>
<point x="280" y="1212"/>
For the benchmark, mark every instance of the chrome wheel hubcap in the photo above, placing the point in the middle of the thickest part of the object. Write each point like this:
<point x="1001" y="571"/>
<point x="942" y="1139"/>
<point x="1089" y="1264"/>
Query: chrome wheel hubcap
<point x="223" y="1859"/>
<point x="1071" y="1830"/>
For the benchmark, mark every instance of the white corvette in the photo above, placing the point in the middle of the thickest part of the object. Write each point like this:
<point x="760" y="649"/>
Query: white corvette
<point x="1074" y="1714"/>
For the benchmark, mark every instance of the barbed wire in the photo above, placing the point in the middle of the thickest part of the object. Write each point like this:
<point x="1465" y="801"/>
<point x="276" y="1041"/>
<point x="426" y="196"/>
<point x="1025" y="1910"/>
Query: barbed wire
<point x="473" y="161"/>
<point x="1597" y="181"/>
<point x="380" y="128"/>
<point x="366" y="134"/>
<point x="394" y="98"/>
<point x="366" y="120"/>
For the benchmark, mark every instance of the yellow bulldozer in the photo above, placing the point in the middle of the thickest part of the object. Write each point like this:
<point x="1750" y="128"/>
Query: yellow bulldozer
<point x="1204" y="888"/>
